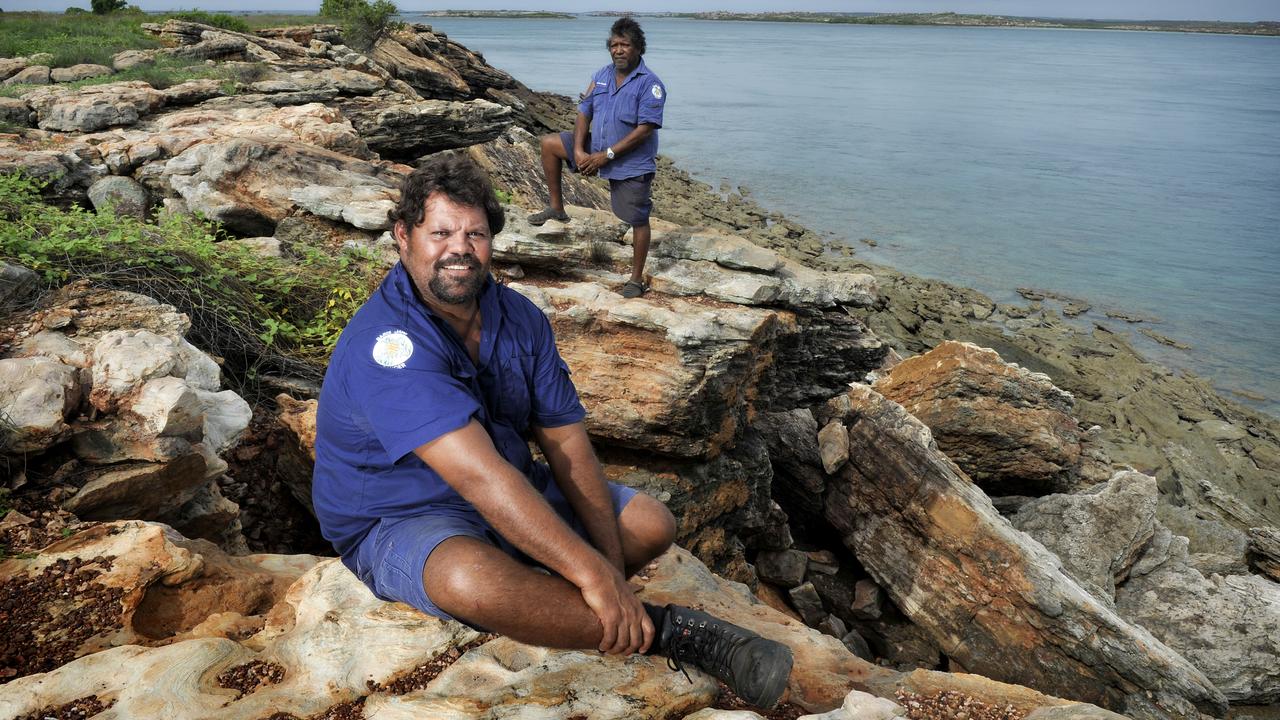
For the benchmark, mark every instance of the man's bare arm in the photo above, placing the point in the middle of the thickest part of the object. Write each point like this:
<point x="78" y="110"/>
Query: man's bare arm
<point x="581" y="128"/>
<point x="593" y="162"/>
<point x="469" y="463"/>
<point x="581" y="479"/>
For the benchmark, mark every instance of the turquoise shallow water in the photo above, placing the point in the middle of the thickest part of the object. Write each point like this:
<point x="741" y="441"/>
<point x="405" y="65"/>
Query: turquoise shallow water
<point x="1139" y="171"/>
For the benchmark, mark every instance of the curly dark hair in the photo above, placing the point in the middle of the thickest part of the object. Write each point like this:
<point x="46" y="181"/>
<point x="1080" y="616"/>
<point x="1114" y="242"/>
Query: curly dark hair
<point x="629" y="29"/>
<point x="459" y="178"/>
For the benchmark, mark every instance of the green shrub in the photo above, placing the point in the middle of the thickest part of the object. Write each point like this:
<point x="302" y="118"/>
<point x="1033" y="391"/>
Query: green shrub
<point x="220" y="20"/>
<point x="104" y="7"/>
<point x="73" y="10"/>
<point x="363" y="23"/>
<point x="260" y="314"/>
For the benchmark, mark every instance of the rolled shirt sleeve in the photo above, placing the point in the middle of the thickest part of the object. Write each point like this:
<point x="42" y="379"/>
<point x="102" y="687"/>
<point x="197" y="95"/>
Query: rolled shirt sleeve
<point x="651" y="102"/>
<point x="554" y="400"/>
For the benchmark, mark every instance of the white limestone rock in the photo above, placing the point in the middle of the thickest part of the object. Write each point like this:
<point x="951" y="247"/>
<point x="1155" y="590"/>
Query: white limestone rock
<point x="168" y="406"/>
<point x="36" y="396"/>
<point x="226" y="415"/>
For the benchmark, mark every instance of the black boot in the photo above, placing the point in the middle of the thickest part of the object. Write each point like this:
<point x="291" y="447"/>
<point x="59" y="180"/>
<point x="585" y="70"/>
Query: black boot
<point x="755" y="668"/>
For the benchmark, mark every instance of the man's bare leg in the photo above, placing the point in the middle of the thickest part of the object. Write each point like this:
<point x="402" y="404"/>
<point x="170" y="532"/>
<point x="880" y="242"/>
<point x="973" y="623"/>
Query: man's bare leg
<point x="640" y="235"/>
<point x="479" y="583"/>
<point x="484" y="586"/>
<point x="553" y="155"/>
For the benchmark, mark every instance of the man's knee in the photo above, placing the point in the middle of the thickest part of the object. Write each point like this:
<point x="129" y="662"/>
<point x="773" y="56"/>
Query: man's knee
<point x="551" y="146"/>
<point x="455" y="572"/>
<point x="648" y="528"/>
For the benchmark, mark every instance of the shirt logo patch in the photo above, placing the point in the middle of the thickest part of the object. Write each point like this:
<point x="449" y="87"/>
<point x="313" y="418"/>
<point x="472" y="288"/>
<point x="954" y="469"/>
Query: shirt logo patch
<point x="657" y="91"/>
<point x="392" y="349"/>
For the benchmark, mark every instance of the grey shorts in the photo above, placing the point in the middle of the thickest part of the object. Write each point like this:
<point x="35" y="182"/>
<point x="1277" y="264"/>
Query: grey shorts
<point x="631" y="198"/>
<point x="391" y="558"/>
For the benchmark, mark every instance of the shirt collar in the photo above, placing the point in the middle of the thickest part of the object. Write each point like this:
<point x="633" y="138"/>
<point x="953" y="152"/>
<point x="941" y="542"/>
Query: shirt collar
<point x="489" y="308"/>
<point x="640" y="69"/>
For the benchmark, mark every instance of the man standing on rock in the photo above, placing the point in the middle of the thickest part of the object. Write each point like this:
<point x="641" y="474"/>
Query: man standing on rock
<point x="425" y="484"/>
<point x="615" y="135"/>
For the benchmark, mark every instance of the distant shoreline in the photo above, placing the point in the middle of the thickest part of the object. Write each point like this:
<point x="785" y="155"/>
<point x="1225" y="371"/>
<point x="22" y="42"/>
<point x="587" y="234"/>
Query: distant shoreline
<point x="1271" y="28"/>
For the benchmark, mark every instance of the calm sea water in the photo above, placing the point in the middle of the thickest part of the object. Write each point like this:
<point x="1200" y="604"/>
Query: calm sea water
<point x="1139" y="171"/>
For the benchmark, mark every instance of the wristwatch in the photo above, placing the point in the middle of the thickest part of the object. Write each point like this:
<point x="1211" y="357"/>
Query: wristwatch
<point x="608" y="152"/>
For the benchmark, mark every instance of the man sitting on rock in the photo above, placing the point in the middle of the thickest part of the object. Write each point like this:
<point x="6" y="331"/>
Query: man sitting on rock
<point x="424" y="480"/>
<point x="615" y="135"/>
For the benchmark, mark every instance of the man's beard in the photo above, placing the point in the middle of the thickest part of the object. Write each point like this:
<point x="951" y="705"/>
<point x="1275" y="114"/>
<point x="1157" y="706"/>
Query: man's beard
<point x="455" y="292"/>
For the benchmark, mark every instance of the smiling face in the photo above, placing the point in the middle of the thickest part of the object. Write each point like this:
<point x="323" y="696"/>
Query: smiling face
<point x="625" y="54"/>
<point x="447" y="255"/>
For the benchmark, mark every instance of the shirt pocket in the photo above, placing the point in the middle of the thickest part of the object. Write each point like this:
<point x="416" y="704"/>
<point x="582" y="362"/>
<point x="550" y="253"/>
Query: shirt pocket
<point x="514" y="404"/>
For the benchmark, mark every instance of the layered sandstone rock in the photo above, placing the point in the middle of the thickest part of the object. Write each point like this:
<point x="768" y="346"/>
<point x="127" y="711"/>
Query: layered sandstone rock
<point x="1010" y="429"/>
<point x="994" y="601"/>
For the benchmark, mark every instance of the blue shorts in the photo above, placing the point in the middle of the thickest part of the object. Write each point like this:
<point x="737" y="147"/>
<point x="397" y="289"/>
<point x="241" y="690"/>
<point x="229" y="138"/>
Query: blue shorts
<point x="630" y="198"/>
<point x="392" y="556"/>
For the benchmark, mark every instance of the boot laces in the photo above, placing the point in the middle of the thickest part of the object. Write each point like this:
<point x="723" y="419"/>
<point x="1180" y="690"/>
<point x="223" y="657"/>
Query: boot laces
<point x="704" y="643"/>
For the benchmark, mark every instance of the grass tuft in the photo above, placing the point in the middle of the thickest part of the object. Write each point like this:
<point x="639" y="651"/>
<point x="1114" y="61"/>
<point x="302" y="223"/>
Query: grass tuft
<point x="262" y="314"/>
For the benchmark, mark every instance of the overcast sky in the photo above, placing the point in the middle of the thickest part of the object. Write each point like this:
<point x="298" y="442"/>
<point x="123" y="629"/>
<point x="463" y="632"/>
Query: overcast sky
<point x="1128" y="9"/>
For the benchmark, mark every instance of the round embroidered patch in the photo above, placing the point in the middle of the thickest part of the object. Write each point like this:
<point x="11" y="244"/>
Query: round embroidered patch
<point x="657" y="91"/>
<point x="392" y="349"/>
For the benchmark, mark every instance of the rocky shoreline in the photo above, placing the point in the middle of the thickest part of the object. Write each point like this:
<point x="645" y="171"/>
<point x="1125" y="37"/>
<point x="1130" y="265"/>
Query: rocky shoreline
<point x="938" y="501"/>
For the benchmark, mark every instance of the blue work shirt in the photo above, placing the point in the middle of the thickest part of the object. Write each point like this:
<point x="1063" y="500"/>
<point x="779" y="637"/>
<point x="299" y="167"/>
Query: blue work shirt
<point x="615" y="110"/>
<point x="401" y="377"/>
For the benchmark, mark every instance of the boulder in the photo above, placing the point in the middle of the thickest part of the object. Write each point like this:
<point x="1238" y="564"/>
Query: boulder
<point x="1228" y="626"/>
<point x="833" y="446"/>
<point x="168" y="406"/>
<point x="17" y="284"/>
<point x="785" y="568"/>
<point x="9" y="66"/>
<point x="94" y="107"/>
<point x="129" y="59"/>
<point x="1098" y="534"/>
<point x="15" y="111"/>
<point x="412" y="129"/>
<point x="1214" y="546"/>
<point x="192" y="92"/>
<point x="82" y="71"/>
<point x="65" y="175"/>
<point x="36" y="396"/>
<point x="868" y="600"/>
<point x="665" y="375"/>
<point x="1009" y="429"/>
<point x="139" y="490"/>
<point x="251" y="184"/>
<point x="124" y="194"/>
<point x="226" y="415"/>
<point x="32" y="75"/>
<point x="807" y="602"/>
<point x="123" y="360"/>
<point x="995" y="601"/>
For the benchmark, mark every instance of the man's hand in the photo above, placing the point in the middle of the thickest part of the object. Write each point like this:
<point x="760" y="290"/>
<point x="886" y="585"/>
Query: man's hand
<point x="591" y="163"/>
<point x="626" y="626"/>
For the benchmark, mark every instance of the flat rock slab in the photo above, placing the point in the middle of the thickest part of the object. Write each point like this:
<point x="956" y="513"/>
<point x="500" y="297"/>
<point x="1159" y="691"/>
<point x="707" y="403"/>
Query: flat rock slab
<point x="251" y="184"/>
<point x="82" y="71"/>
<point x="95" y="107"/>
<point x="997" y="602"/>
